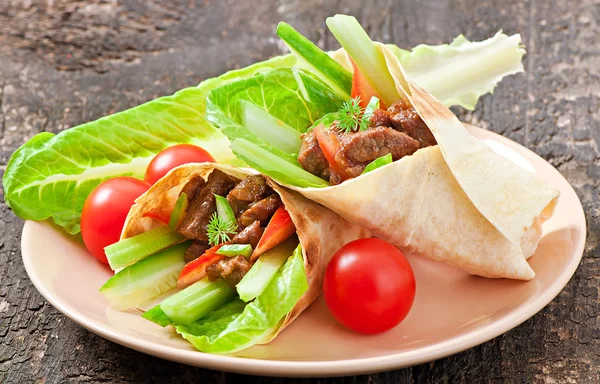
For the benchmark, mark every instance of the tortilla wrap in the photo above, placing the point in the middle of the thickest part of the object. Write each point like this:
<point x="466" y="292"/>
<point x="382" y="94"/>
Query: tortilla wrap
<point x="321" y="231"/>
<point x="458" y="202"/>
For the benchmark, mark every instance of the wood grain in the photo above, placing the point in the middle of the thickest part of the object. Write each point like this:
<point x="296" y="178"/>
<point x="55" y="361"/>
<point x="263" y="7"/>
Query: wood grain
<point x="63" y="63"/>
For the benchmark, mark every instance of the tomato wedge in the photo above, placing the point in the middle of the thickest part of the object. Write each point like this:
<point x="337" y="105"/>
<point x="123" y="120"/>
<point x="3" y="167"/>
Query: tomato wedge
<point x="362" y="87"/>
<point x="195" y="270"/>
<point x="279" y="229"/>
<point x="330" y="145"/>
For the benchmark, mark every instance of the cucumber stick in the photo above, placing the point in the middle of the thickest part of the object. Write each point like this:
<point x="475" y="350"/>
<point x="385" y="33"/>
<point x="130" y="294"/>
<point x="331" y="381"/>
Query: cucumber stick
<point x="274" y="166"/>
<point x="264" y="269"/>
<point x="145" y="279"/>
<point x="224" y="210"/>
<point x="349" y="33"/>
<point x="312" y="58"/>
<point x="231" y="250"/>
<point x="179" y="211"/>
<point x="270" y="129"/>
<point x="135" y="248"/>
<point x="197" y="300"/>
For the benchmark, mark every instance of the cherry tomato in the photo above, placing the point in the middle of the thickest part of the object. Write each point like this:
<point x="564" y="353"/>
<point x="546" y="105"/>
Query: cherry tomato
<point x="105" y="210"/>
<point x="369" y="286"/>
<point x="174" y="156"/>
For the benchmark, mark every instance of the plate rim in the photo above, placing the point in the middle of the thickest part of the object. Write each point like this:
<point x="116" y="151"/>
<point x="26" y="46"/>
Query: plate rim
<point x="292" y="368"/>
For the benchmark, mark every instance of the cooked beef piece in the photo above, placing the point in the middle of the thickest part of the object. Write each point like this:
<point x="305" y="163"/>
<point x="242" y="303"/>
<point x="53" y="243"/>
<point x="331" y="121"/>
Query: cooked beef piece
<point x="311" y="156"/>
<point x="260" y="211"/>
<point x="404" y="118"/>
<point x="195" y="221"/>
<point x="380" y="118"/>
<point x="252" y="188"/>
<point x="249" y="235"/>
<point x="249" y="190"/>
<point x="195" y="250"/>
<point x="366" y="146"/>
<point x="238" y="206"/>
<point x="192" y="187"/>
<point x="231" y="269"/>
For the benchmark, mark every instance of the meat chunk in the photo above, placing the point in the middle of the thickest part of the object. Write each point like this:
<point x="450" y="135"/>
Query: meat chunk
<point x="192" y="187"/>
<point x="195" y="221"/>
<point x="195" y="250"/>
<point x="405" y="119"/>
<point x="380" y="118"/>
<point x="231" y="269"/>
<point x="365" y="146"/>
<point x="249" y="190"/>
<point x="252" y="188"/>
<point x="260" y="211"/>
<point x="249" y="235"/>
<point x="311" y="156"/>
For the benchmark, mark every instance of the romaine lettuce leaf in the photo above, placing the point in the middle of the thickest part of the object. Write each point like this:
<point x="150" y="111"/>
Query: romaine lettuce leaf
<point x="460" y="72"/>
<point x="52" y="175"/>
<point x="295" y="97"/>
<point x="232" y="329"/>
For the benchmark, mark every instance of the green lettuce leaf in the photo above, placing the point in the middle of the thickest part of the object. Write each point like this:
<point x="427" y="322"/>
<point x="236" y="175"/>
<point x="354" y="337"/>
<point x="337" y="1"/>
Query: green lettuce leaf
<point x="235" y="327"/>
<point x="460" y="72"/>
<point x="52" y="175"/>
<point x="295" y="97"/>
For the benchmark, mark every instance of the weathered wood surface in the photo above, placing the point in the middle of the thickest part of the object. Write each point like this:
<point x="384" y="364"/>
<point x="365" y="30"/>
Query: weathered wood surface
<point x="66" y="62"/>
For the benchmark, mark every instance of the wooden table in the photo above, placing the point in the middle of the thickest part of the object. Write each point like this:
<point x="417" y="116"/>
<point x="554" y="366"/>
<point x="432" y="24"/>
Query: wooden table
<point x="63" y="63"/>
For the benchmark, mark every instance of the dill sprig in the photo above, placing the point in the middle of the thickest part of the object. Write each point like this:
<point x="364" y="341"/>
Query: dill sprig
<point x="351" y="115"/>
<point x="219" y="230"/>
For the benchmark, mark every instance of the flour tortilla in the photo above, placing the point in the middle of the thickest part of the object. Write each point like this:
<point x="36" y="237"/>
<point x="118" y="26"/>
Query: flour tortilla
<point x="457" y="202"/>
<point x="321" y="232"/>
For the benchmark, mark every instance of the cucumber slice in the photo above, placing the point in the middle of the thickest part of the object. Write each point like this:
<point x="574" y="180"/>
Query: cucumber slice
<point x="270" y="129"/>
<point x="156" y="315"/>
<point x="145" y="279"/>
<point x="128" y="251"/>
<point x="312" y="58"/>
<point x="224" y="210"/>
<point x="181" y="206"/>
<point x="231" y="250"/>
<point x="197" y="300"/>
<point x="264" y="269"/>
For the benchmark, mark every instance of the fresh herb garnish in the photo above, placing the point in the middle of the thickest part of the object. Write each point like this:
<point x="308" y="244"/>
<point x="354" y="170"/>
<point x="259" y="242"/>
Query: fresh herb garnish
<point x="219" y="230"/>
<point x="352" y="117"/>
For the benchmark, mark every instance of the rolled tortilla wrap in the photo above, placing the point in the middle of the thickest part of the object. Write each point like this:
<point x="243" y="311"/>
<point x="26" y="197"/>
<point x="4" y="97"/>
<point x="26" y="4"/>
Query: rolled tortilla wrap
<point x="458" y="202"/>
<point x="321" y="232"/>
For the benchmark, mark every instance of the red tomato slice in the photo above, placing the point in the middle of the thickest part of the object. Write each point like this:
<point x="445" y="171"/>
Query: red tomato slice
<point x="175" y="156"/>
<point x="369" y="286"/>
<point x="279" y="229"/>
<point x="105" y="210"/>
<point x="195" y="270"/>
<point x="330" y="145"/>
<point x="362" y="87"/>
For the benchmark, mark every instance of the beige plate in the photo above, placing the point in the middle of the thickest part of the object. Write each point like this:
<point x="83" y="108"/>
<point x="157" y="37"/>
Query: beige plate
<point x="452" y="312"/>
